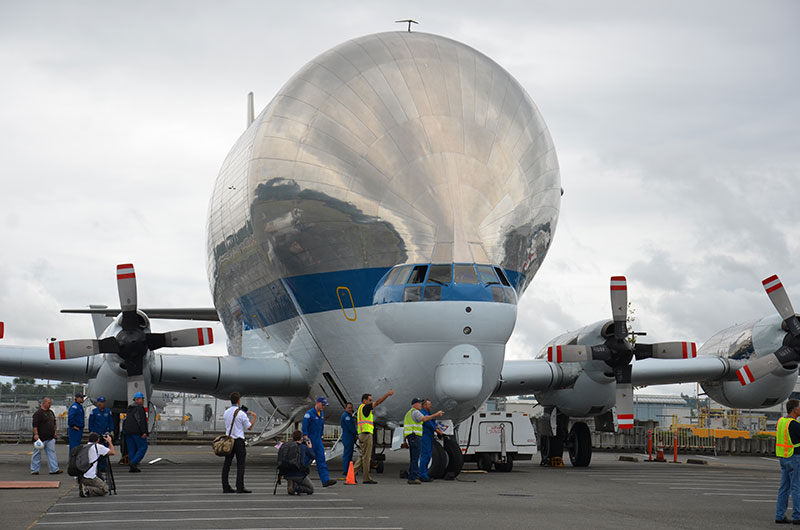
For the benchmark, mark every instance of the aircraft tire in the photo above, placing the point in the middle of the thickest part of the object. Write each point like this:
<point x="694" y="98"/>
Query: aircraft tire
<point x="438" y="465"/>
<point x="580" y="445"/>
<point x="455" y="458"/>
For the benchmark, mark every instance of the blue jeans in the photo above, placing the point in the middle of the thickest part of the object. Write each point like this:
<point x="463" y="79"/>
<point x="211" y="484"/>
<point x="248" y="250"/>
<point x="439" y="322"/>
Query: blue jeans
<point x="426" y="451"/>
<point x="413" y="452"/>
<point x="137" y="447"/>
<point x="790" y="482"/>
<point x="50" y="451"/>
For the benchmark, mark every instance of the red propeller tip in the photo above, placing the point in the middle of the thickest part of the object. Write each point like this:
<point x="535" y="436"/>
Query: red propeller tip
<point x="625" y="421"/>
<point x="772" y="283"/>
<point x="60" y="354"/>
<point x="689" y="350"/>
<point x="619" y="283"/>
<point x="2" y="329"/>
<point x="745" y="375"/>
<point x="125" y="271"/>
<point x="205" y="336"/>
<point x="550" y="354"/>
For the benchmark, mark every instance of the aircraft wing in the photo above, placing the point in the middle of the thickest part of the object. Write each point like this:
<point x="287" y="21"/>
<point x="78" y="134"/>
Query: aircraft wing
<point x="528" y="377"/>
<point x="170" y="313"/>
<point x="202" y="374"/>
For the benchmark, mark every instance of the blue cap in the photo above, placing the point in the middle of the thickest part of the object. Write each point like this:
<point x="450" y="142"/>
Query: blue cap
<point x="322" y="400"/>
<point x="100" y="399"/>
<point x="138" y="395"/>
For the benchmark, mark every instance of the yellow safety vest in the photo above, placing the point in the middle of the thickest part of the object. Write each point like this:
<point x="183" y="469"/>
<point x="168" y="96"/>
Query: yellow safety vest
<point x="364" y="423"/>
<point x="410" y="426"/>
<point x="783" y="442"/>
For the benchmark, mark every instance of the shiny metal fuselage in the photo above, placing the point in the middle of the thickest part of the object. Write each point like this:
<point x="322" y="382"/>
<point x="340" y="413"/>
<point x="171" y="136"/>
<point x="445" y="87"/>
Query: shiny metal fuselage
<point x="394" y="148"/>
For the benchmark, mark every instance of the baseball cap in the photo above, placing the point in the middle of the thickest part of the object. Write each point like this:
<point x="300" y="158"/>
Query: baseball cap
<point x="415" y="401"/>
<point x="101" y="398"/>
<point x="322" y="400"/>
<point x="79" y="394"/>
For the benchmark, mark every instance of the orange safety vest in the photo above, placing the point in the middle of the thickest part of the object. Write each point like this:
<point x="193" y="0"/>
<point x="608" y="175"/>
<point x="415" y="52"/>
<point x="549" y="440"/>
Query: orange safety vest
<point x="783" y="442"/>
<point x="364" y="423"/>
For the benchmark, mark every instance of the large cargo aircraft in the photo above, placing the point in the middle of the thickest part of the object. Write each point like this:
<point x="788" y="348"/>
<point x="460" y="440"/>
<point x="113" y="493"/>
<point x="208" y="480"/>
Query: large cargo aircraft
<point x="373" y="229"/>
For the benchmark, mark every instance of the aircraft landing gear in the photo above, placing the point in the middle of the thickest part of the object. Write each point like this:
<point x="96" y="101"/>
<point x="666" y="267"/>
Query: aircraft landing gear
<point x="579" y="443"/>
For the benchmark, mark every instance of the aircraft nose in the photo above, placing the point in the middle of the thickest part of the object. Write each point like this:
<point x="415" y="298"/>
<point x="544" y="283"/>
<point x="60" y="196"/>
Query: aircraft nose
<point x="459" y="375"/>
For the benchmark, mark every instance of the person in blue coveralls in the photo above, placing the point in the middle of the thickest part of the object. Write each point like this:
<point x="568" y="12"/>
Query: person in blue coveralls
<point x="348" y="436"/>
<point x="101" y="421"/>
<point x="429" y="429"/>
<point x="135" y="430"/>
<point x="76" y="420"/>
<point x="313" y="426"/>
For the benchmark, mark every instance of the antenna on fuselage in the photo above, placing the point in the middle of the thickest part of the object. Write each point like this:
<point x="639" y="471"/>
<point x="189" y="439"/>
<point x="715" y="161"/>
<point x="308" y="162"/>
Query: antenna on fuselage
<point x="409" y="23"/>
<point x="250" y="114"/>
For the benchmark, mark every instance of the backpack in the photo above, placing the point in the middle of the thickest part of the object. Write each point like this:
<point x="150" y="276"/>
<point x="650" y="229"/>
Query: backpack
<point x="79" y="462"/>
<point x="290" y="461"/>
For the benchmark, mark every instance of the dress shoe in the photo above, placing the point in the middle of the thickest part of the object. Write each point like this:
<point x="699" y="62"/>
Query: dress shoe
<point x="415" y="481"/>
<point x="34" y="472"/>
<point x="57" y="472"/>
<point x="329" y="483"/>
<point x="426" y="479"/>
<point x="782" y="521"/>
<point x="369" y="482"/>
<point x="228" y="490"/>
<point x="134" y="469"/>
<point x="243" y="491"/>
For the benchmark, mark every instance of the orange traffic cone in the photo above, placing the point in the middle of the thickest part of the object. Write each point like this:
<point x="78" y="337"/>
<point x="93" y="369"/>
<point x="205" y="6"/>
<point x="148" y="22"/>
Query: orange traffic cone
<point x="351" y="475"/>
<point x="660" y="453"/>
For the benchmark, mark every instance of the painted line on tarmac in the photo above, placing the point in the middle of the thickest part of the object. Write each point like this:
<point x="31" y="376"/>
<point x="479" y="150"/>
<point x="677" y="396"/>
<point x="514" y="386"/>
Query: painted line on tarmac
<point x="204" y="519"/>
<point x="249" y="501"/>
<point x="723" y="494"/>
<point x="167" y="510"/>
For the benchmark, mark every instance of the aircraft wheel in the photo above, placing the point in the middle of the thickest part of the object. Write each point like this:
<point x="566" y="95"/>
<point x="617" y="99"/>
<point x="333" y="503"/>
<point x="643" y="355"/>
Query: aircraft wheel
<point x="438" y="461"/>
<point x="485" y="461"/>
<point x="379" y="467"/>
<point x="455" y="458"/>
<point x="580" y="445"/>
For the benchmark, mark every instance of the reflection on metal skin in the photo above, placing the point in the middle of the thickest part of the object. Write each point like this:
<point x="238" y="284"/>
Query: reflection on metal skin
<point x="391" y="148"/>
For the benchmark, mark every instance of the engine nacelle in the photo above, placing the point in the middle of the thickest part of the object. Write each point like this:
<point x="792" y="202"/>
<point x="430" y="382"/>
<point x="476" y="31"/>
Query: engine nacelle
<point x="743" y="343"/>
<point x="593" y="394"/>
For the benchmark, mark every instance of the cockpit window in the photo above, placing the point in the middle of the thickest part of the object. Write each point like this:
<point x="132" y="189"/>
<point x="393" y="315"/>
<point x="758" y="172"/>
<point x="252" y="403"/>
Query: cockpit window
<point x="432" y="292"/>
<point x="502" y="276"/>
<point x="390" y="278"/>
<point x="402" y="275"/>
<point x="465" y="274"/>
<point x="418" y="274"/>
<point x="412" y="294"/>
<point x="440" y="274"/>
<point x="487" y="275"/>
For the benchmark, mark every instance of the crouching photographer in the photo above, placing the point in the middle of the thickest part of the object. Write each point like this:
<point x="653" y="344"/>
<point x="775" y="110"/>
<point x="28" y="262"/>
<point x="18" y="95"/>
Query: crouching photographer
<point x="90" y="484"/>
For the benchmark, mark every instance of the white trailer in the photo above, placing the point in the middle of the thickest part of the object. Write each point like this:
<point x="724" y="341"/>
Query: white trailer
<point x="497" y="439"/>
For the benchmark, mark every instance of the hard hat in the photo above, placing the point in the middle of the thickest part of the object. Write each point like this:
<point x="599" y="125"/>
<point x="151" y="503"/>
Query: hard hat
<point x="138" y="395"/>
<point x="38" y="444"/>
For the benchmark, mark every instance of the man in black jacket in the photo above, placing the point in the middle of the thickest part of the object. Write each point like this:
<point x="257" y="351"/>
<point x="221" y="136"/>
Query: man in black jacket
<point x="291" y="463"/>
<point x="135" y="430"/>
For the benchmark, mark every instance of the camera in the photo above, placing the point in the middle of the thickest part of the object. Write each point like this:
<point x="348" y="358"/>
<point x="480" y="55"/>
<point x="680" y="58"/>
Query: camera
<point x="244" y="408"/>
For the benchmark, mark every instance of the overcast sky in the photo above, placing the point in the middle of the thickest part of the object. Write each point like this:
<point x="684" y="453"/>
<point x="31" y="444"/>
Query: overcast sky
<point x="675" y="124"/>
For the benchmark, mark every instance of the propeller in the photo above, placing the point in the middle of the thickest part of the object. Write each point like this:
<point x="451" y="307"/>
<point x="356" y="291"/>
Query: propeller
<point x="618" y="352"/>
<point x="789" y="353"/>
<point x="132" y="342"/>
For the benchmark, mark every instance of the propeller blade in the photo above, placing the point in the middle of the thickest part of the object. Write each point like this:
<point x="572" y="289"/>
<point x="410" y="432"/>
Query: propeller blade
<point x="135" y="384"/>
<point x="667" y="350"/>
<point x="181" y="339"/>
<point x="126" y="285"/>
<point x="758" y="368"/>
<point x="2" y="329"/>
<point x="569" y="354"/>
<point x="72" y="349"/>
<point x="779" y="298"/>
<point x="625" y="405"/>
<point x="619" y="305"/>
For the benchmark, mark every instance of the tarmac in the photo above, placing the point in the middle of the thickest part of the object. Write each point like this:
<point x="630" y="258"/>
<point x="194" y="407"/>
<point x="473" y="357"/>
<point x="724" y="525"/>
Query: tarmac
<point x="183" y="491"/>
